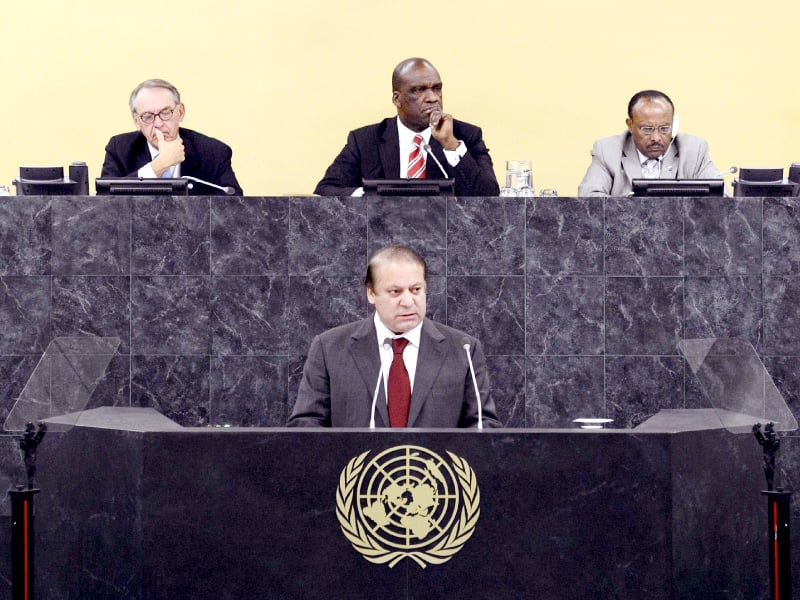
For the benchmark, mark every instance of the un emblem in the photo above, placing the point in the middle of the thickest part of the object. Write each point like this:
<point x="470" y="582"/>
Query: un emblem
<point x="408" y="502"/>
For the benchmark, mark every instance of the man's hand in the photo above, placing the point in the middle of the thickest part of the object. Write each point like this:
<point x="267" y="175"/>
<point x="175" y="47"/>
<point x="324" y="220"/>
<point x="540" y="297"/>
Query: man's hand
<point x="442" y="130"/>
<point x="169" y="153"/>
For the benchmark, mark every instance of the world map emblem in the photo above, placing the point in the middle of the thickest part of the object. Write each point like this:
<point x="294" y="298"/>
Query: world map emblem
<point x="408" y="502"/>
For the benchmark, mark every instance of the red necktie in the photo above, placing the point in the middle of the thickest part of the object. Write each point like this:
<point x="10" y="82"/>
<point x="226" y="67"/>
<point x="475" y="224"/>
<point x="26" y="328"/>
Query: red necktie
<point x="399" y="386"/>
<point x="416" y="161"/>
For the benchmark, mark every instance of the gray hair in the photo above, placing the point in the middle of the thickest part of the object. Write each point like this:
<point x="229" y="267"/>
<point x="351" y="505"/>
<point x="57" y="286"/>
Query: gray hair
<point x="154" y="83"/>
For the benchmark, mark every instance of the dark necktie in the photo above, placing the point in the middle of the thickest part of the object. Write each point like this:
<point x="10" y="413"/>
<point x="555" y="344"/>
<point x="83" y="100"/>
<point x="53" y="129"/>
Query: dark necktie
<point x="416" y="161"/>
<point x="399" y="386"/>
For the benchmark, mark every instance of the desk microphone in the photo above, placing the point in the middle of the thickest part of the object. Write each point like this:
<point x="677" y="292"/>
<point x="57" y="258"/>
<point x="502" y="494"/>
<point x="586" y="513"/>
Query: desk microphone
<point x="387" y="343"/>
<point x="727" y="172"/>
<point x="427" y="147"/>
<point x="227" y="189"/>
<point x="465" y="345"/>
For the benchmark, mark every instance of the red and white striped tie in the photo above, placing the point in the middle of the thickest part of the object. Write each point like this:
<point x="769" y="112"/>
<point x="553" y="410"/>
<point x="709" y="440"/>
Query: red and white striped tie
<point x="416" y="160"/>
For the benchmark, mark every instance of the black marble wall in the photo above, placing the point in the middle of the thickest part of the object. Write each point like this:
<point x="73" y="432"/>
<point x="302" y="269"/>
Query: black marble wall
<point x="580" y="302"/>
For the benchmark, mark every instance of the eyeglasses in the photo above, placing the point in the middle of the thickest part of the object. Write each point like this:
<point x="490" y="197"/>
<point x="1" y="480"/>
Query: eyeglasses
<point x="164" y="115"/>
<point x="650" y="130"/>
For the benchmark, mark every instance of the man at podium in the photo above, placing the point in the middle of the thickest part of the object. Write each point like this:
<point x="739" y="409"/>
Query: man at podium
<point x="396" y="368"/>
<point x="161" y="148"/>
<point x="421" y="142"/>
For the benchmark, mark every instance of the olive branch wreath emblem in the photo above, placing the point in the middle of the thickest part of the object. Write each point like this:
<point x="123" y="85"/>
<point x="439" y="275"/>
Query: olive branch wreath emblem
<point x="357" y="534"/>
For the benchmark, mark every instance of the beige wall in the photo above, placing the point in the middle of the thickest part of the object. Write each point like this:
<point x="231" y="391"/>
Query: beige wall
<point x="283" y="82"/>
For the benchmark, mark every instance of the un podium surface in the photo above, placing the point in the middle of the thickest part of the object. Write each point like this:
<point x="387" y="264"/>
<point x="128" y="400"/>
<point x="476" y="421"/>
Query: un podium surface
<point x="134" y="506"/>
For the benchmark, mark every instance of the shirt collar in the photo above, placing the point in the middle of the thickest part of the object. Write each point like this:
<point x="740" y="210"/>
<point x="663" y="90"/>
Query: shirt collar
<point x="407" y="136"/>
<point x="643" y="159"/>
<point x="413" y="336"/>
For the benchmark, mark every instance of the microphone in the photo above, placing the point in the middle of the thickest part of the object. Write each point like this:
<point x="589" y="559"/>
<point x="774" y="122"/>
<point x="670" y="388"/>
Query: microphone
<point x="387" y="343"/>
<point x="427" y="147"/>
<point x="465" y="345"/>
<point x="227" y="189"/>
<point x="727" y="172"/>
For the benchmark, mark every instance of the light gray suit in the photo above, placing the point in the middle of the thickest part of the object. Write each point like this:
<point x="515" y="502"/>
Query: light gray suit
<point x="615" y="163"/>
<point x="342" y="368"/>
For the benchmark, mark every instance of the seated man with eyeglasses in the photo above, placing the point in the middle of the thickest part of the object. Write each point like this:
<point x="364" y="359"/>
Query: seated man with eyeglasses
<point x="651" y="148"/>
<point x="161" y="148"/>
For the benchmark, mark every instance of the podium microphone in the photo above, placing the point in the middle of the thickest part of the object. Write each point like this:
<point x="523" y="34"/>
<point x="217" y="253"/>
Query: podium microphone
<point x="727" y="171"/>
<point x="465" y="345"/>
<point x="227" y="189"/>
<point x="387" y="343"/>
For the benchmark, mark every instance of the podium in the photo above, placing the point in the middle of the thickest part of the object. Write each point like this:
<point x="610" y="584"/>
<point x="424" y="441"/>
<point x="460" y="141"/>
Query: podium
<point x="133" y="506"/>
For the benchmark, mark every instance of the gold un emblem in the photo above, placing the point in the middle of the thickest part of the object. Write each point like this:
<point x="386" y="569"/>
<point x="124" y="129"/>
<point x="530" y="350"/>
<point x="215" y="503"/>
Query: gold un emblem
<point x="408" y="502"/>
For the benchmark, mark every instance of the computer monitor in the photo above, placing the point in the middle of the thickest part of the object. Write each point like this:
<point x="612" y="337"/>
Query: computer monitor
<point x="138" y="186"/>
<point x="50" y="181"/>
<point x="678" y="187"/>
<point x="409" y="187"/>
<point x="752" y="189"/>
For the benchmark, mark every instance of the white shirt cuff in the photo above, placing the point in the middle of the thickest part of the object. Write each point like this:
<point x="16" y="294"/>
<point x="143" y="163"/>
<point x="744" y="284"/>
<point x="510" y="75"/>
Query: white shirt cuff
<point x="454" y="156"/>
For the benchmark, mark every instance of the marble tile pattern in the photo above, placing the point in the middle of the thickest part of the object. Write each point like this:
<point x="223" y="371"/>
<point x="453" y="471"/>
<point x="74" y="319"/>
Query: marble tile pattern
<point x="580" y="302"/>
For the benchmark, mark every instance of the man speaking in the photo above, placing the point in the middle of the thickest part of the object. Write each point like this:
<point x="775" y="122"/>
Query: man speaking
<point x="422" y="364"/>
<point x="161" y="148"/>
<point x="398" y="147"/>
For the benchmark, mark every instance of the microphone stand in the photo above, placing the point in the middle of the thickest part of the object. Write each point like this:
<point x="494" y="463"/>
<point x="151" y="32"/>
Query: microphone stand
<point x="778" y="514"/>
<point x="22" y="513"/>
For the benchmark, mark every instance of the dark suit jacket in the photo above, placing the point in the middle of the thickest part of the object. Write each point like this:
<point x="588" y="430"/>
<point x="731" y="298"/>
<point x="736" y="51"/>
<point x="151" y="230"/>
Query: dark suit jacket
<point x="373" y="152"/>
<point x="206" y="158"/>
<point x="342" y="369"/>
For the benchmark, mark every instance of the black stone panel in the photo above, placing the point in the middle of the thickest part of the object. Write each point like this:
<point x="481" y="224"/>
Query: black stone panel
<point x="565" y="315"/>
<point x="171" y="235"/>
<point x="507" y="380"/>
<point x="328" y="237"/>
<point x="560" y="389"/>
<point x="91" y="236"/>
<point x="26" y="244"/>
<point x="723" y="236"/>
<point x="564" y="236"/>
<point x="725" y="307"/>
<point x="490" y="308"/>
<point x="637" y="387"/>
<point x="249" y="236"/>
<point x="97" y="305"/>
<point x="177" y="386"/>
<point x="25" y="314"/>
<point x="485" y="236"/>
<point x="781" y="236"/>
<point x="249" y="315"/>
<point x="644" y="315"/>
<point x="644" y="236"/>
<point x="171" y="315"/>
<point x="249" y="391"/>
<point x="781" y="316"/>
<point x="417" y="222"/>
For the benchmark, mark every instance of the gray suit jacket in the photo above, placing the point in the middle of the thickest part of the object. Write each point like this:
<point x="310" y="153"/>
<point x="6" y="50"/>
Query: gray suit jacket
<point x="615" y="163"/>
<point x="342" y="369"/>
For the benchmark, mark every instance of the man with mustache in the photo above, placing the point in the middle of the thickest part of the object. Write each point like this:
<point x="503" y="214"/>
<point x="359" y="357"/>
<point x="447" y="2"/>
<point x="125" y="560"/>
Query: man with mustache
<point x="395" y="147"/>
<point x="651" y="148"/>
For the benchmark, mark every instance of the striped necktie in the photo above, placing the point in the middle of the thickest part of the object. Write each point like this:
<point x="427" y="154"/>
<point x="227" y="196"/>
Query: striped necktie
<point x="651" y="168"/>
<point x="416" y="161"/>
<point x="399" y="386"/>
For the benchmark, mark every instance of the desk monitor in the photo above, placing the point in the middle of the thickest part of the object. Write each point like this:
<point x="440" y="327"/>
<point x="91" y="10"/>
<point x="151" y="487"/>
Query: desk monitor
<point x="409" y="187"/>
<point x="678" y="187"/>
<point x="138" y="186"/>
<point x="763" y="189"/>
<point x="50" y="181"/>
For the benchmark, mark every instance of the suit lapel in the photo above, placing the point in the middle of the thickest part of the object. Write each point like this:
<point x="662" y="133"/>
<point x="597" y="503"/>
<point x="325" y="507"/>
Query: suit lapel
<point x="669" y="166"/>
<point x="431" y="168"/>
<point x="190" y="165"/>
<point x="363" y="350"/>
<point x="630" y="159"/>
<point x="431" y="358"/>
<point x="389" y="150"/>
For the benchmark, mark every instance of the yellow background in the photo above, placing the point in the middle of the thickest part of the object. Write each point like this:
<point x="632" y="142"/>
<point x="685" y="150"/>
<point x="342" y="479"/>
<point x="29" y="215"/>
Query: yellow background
<point x="283" y="82"/>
